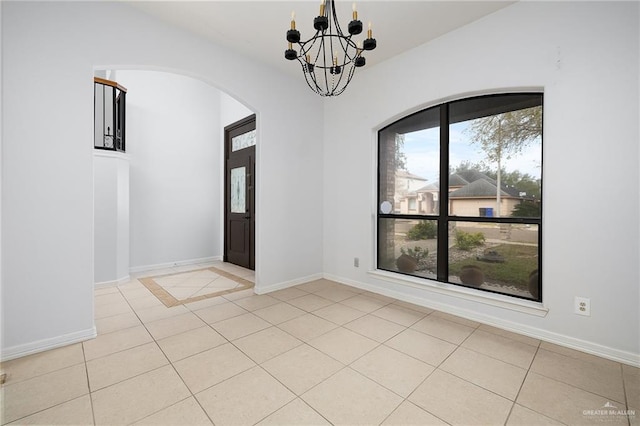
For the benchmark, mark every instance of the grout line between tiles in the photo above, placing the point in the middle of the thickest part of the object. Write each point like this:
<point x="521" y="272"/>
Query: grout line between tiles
<point x="556" y="379"/>
<point x="86" y="370"/>
<point x="192" y="395"/>
<point x="167" y="407"/>
<point x="363" y="335"/>
<point x="438" y="368"/>
<point x="491" y="356"/>
<point x="121" y="350"/>
<point x="49" y="408"/>
<point x="626" y="397"/>
<point x="406" y="399"/>
<point x="515" y="400"/>
<point x="9" y="380"/>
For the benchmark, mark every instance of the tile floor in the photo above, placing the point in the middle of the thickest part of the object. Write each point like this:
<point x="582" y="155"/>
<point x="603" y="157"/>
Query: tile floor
<point x="317" y="353"/>
<point x="188" y="284"/>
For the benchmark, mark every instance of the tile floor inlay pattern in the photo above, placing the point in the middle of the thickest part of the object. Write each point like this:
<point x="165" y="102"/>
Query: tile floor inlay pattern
<point x="319" y="353"/>
<point x="192" y="286"/>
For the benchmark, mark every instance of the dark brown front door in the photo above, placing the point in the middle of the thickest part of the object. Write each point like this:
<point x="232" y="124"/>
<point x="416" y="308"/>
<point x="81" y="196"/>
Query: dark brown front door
<point x="240" y="155"/>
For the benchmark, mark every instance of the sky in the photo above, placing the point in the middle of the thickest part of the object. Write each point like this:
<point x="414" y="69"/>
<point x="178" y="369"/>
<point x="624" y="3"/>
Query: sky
<point x="423" y="153"/>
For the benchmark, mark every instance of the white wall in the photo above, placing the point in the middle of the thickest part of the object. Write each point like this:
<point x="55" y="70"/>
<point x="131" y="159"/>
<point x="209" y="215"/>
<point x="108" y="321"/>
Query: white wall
<point x="2" y="323"/>
<point x="231" y="111"/>
<point x="585" y="57"/>
<point x="49" y="53"/>
<point x="111" y="217"/>
<point x="173" y="139"/>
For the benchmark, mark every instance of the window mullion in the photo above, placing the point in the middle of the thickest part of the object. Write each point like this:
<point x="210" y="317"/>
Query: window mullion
<point x="443" y="196"/>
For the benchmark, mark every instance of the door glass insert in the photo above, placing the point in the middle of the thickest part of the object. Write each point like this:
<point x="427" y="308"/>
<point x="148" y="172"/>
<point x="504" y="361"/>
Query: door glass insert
<point x="238" y="190"/>
<point x="242" y="141"/>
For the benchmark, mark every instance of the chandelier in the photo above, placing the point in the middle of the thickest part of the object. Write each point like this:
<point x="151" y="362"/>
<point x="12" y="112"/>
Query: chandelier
<point x="330" y="57"/>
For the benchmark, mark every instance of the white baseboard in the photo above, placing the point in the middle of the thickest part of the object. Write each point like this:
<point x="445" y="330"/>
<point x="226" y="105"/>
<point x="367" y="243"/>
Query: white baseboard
<point x="105" y="284"/>
<point x="145" y="268"/>
<point x="287" y="284"/>
<point x="624" y="357"/>
<point x="47" y="344"/>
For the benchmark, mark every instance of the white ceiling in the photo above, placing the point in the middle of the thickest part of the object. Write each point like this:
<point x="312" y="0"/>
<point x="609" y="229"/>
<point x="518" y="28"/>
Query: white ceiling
<point x="257" y="28"/>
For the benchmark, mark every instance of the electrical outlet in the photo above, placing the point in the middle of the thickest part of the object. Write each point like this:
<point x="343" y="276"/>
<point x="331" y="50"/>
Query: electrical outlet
<point x="356" y="262"/>
<point x="582" y="306"/>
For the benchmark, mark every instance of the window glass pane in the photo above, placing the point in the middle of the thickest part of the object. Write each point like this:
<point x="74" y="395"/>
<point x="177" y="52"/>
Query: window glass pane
<point x="109" y="117"/>
<point x="409" y="163"/>
<point x="408" y="246"/>
<point x="500" y="257"/>
<point x="244" y="140"/>
<point x="98" y="121"/>
<point x="120" y="117"/>
<point x="238" y="190"/>
<point x="496" y="142"/>
<point x="108" y="124"/>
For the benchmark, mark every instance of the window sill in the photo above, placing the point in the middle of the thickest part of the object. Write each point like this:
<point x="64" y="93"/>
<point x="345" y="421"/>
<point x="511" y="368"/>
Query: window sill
<point x="110" y="154"/>
<point x="505" y="302"/>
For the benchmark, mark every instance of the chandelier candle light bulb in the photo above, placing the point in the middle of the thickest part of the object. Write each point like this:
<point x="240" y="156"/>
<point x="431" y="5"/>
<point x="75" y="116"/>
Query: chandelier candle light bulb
<point x="308" y="66"/>
<point x="326" y="75"/>
<point x="290" y="53"/>
<point x="370" y="42"/>
<point x="355" y="26"/>
<point x="335" y="69"/>
<point x="293" y="35"/>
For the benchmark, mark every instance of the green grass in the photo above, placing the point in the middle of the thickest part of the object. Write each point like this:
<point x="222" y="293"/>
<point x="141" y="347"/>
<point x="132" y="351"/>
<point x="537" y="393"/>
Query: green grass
<point x="519" y="262"/>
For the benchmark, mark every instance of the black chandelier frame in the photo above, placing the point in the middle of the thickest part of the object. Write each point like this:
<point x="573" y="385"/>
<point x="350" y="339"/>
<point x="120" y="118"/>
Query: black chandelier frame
<point x="329" y="58"/>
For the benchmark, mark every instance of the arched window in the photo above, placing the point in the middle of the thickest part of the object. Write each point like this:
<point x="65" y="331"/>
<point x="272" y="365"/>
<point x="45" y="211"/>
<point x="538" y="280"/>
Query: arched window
<point x="460" y="194"/>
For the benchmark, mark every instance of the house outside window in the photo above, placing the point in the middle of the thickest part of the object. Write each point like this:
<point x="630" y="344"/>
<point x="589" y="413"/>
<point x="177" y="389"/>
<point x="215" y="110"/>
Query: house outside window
<point x="464" y="180"/>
